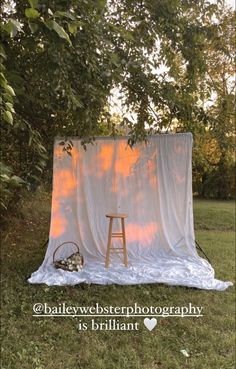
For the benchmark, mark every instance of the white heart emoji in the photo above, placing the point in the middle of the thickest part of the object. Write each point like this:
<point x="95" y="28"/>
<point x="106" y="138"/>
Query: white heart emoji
<point x="150" y="323"/>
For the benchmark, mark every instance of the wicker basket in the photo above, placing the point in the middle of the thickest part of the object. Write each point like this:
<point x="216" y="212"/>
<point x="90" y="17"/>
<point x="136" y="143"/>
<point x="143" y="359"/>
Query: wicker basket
<point x="58" y="263"/>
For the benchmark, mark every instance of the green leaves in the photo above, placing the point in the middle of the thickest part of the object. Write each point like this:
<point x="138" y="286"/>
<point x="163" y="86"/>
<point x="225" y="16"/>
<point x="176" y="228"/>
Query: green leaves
<point x="155" y="54"/>
<point x="33" y="26"/>
<point x="8" y="183"/>
<point x="53" y="25"/>
<point x="33" y="3"/>
<point x="9" y="89"/>
<point x="61" y="14"/>
<point x="72" y="27"/>
<point x="2" y="52"/>
<point x="10" y="107"/>
<point x="6" y="102"/>
<point x="32" y="13"/>
<point x="12" y="27"/>
<point x="7" y="116"/>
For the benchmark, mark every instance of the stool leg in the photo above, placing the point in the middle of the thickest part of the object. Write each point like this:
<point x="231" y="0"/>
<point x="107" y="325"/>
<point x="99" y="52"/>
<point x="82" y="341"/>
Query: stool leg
<point x="124" y="242"/>
<point x="109" y="243"/>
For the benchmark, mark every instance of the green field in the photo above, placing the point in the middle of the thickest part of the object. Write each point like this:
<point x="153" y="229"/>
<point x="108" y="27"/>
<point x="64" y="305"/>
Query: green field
<point x="57" y="343"/>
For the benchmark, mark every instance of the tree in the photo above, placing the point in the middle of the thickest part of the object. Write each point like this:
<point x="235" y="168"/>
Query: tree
<point x="217" y="179"/>
<point x="60" y="60"/>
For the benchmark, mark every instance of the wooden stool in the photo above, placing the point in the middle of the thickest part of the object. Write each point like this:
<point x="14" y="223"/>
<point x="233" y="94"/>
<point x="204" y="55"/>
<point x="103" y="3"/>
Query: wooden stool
<point x="116" y="235"/>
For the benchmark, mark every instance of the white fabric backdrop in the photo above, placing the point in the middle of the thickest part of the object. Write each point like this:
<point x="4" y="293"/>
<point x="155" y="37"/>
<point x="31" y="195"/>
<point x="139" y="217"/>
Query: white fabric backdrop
<point x="152" y="183"/>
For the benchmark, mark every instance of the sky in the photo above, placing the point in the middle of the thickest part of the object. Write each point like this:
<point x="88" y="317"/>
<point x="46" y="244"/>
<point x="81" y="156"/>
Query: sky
<point x="230" y="3"/>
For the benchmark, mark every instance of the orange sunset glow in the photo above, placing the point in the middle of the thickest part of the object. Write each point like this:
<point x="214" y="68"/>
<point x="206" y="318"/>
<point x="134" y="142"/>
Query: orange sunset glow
<point x="64" y="182"/>
<point x="152" y="174"/>
<point x="105" y="158"/>
<point x="64" y="185"/>
<point x="75" y="157"/>
<point x="58" y="224"/>
<point x="126" y="158"/>
<point x="143" y="233"/>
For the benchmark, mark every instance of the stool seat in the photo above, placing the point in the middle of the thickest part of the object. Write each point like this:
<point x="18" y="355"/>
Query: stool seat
<point x="122" y="216"/>
<point x="112" y="234"/>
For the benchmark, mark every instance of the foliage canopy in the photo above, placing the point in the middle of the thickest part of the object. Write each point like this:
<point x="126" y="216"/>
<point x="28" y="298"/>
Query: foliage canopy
<point x="171" y="59"/>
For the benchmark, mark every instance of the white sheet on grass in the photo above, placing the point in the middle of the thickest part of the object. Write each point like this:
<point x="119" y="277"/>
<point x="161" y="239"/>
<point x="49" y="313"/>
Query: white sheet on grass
<point x="152" y="183"/>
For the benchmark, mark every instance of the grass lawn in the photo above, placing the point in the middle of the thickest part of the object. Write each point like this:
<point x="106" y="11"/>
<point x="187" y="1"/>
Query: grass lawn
<point x="57" y="343"/>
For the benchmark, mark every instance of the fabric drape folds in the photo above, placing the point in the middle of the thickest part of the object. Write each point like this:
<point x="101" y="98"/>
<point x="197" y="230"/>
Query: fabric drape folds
<point x="152" y="183"/>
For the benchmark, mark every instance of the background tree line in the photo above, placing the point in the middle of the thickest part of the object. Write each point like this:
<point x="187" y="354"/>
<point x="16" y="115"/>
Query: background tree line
<point x="172" y="61"/>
